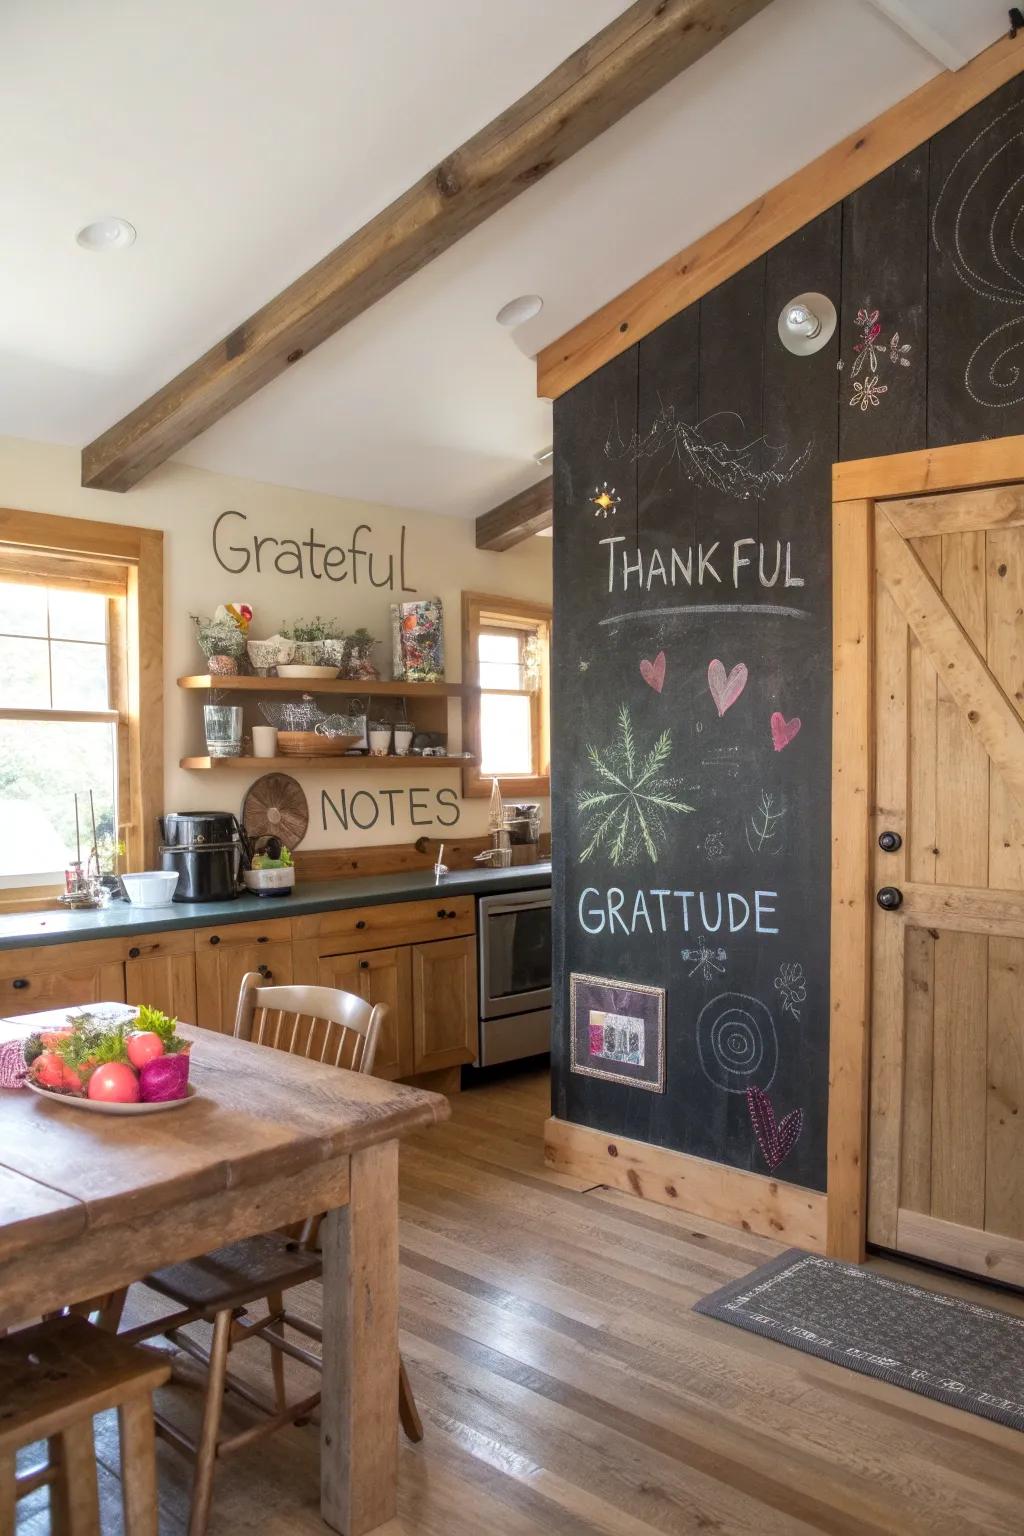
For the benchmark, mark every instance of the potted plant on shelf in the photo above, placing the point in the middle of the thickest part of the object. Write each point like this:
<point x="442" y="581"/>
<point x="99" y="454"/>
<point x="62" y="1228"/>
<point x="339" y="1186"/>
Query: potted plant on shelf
<point x="271" y="872"/>
<point x="318" y="641"/>
<point x="357" y="662"/>
<point x="222" y="642"/>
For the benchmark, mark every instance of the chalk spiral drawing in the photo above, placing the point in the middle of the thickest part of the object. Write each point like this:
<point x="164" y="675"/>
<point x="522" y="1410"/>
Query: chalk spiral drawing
<point x="783" y="730"/>
<point x="743" y="470"/>
<point x="985" y="254"/>
<point x="762" y="827"/>
<point x="736" y="1043"/>
<point x="725" y="688"/>
<point x="791" y="985"/>
<point x="653" y="672"/>
<point x="776" y="1138"/>
<point x="707" y="965"/>
<point x="629" y="810"/>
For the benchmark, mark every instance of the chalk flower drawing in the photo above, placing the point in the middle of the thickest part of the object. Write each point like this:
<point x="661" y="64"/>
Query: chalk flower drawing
<point x="899" y="351"/>
<point x="744" y="469"/>
<point x="629" y="810"/>
<point x="869" y="348"/>
<point x="604" y="499"/>
<point x="791" y="986"/>
<point x="975" y="226"/>
<point x="868" y="392"/>
<point x="762" y="826"/>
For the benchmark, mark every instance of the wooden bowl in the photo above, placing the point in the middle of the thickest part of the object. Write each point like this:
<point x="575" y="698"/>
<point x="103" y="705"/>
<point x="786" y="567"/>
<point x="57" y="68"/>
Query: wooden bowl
<point x="309" y="744"/>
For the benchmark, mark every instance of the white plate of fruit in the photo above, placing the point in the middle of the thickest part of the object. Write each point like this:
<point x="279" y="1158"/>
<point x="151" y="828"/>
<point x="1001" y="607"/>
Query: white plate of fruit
<point x="133" y="1065"/>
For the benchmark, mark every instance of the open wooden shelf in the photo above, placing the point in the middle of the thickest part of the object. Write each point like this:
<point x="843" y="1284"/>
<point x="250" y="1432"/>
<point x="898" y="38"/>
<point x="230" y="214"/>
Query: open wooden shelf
<point x="327" y="760"/>
<point x="242" y="683"/>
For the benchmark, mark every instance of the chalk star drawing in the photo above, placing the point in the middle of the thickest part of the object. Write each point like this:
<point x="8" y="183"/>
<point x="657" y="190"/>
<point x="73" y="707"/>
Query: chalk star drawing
<point x="631" y="807"/>
<point x="762" y="826"/>
<point x="604" y="499"/>
<point x="743" y="470"/>
<point x="707" y="966"/>
<point x="985" y="250"/>
<point x="791" y="986"/>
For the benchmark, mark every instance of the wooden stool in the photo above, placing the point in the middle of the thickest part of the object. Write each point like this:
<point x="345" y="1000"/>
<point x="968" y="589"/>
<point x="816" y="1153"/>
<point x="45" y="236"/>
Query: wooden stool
<point x="53" y="1379"/>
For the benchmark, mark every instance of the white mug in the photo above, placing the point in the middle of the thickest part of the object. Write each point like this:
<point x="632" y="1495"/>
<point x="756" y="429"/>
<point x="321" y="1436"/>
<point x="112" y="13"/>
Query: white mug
<point x="264" y="741"/>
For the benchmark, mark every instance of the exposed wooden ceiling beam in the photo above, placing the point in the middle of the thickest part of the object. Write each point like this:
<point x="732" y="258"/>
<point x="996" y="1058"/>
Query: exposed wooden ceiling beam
<point x="516" y="519"/>
<point x="640" y="51"/>
<point x="748" y="234"/>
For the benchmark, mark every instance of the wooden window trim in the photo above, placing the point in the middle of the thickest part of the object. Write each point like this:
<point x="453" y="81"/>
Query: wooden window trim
<point x="126" y="563"/>
<point x="503" y="612"/>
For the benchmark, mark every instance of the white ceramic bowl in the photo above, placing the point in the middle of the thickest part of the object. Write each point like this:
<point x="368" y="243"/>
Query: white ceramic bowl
<point x="153" y="888"/>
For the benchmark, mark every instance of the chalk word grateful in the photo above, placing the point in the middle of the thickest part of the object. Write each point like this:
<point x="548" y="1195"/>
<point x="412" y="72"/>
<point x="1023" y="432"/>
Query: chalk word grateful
<point x="657" y="911"/>
<point x="699" y="567"/>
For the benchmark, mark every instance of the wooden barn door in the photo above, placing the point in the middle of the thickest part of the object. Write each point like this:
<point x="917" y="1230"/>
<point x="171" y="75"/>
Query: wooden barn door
<point x="946" y="1121"/>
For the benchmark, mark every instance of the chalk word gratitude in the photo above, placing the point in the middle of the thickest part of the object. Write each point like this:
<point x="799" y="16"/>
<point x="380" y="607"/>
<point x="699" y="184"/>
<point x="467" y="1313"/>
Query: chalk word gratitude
<point x="298" y="557"/>
<point x="614" y="911"/>
<point x="700" y="567"/>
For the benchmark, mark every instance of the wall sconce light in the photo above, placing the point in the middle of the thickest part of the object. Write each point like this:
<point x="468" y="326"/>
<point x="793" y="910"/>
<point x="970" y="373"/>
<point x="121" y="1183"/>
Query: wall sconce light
<point x="807" y="323"/>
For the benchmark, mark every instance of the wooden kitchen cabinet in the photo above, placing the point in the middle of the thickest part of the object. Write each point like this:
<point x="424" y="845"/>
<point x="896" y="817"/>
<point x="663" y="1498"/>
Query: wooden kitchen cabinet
<point x="224" y="955"/>
<point x="381" y="976"/>
<point x="160" y="969"/>
<point x="60" y="976"/>
<point x="444" y="1003"/>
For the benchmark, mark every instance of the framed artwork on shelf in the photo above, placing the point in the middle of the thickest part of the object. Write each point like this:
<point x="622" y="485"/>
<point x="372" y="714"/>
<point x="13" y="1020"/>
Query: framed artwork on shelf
<point x="618" y="1031"/>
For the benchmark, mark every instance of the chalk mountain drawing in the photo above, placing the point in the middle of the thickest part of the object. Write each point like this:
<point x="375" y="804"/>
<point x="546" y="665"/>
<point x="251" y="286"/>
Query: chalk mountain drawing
<point x="784" y="730"/>
<point x="791" y="985"/>
<point x="743" y="469"/>
<point x="653" y="672"/>
<point x="736" y="1043"/>
<point x="775" y="1138"/>
<point x="726" y="688"/>
<point x="976" y="224"/>
<point x="629" y="810"/>
<point x="762" y="827"/>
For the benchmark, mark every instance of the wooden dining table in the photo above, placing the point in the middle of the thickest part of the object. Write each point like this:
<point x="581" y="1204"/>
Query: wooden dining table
<point x="91" y="1202"/>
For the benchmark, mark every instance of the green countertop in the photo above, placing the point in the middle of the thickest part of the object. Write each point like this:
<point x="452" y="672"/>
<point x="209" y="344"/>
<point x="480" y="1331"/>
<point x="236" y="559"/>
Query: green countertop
<point x="122" y="920"/>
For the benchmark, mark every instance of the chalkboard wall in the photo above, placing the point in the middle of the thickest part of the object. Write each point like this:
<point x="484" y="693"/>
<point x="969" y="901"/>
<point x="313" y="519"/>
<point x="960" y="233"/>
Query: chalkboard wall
<point x="692" y="664"/>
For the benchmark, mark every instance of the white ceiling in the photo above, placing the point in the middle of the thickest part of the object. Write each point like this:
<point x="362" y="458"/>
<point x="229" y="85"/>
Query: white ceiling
<point x="245" y="140"/>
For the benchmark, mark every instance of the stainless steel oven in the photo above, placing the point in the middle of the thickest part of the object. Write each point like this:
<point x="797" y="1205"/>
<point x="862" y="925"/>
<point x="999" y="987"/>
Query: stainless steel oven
<point x="515" y="976"/>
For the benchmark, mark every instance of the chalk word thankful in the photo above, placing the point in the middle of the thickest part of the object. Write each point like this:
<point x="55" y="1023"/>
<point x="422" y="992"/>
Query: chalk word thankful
<point x="614" y="910"/>
<point x="699" y="567"/>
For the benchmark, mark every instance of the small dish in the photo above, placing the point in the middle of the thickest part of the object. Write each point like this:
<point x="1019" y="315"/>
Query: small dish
<point x="295" y="670"/>
<point x="100" y="1107"/>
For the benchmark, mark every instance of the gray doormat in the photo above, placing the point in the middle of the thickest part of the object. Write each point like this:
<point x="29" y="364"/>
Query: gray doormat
<point x="927" y="1341"/>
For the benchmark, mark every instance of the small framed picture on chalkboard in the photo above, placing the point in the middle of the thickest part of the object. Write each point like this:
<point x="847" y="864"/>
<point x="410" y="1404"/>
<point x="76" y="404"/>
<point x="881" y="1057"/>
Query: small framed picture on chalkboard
<point x="618" y="1031"/>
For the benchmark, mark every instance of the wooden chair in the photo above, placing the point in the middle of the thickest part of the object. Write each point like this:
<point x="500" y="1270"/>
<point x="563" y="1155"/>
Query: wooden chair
<point x="328" y="1026"/>
<point x="54" y="1378"/>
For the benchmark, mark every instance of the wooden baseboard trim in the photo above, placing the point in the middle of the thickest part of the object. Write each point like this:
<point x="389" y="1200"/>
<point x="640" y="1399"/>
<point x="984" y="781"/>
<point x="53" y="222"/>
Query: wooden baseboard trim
<point x="729" y="1195"/>
<point x="944" y="1242"/>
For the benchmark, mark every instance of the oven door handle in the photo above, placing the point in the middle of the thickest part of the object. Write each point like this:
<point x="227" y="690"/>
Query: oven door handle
<point x="506" y="909"/>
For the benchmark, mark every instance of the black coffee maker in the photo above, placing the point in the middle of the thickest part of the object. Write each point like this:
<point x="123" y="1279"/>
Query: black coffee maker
<point x="208" y="850"/>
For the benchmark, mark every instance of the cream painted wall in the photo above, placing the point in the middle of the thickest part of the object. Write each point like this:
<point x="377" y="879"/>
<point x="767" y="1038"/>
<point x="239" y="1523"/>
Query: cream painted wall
<point x="441" y="560"/>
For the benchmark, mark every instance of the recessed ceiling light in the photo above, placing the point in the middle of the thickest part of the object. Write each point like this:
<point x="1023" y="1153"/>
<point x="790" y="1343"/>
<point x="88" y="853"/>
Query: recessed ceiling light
<point x="518" y="311"/>
<point x="111" y="234"/>
<point x="545" y="456"/>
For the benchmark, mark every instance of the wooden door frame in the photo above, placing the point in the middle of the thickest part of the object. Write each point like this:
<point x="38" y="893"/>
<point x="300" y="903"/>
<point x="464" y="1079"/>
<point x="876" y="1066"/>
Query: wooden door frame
<point x="856" y="486"/>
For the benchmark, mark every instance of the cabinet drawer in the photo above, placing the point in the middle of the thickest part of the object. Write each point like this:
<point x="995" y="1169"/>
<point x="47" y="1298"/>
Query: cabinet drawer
<point x="403" y="922"/>
<point x="276" y="929"/>
<point x="34" y="991"/>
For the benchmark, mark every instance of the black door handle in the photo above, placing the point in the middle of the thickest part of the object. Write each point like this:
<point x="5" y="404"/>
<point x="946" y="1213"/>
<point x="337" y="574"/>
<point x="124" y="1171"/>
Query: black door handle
<point x="890" y="842"/>
<point x="889" y="898"/>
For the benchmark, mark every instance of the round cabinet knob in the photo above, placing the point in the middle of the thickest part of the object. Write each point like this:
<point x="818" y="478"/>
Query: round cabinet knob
<point x="889" y="842"/>
<point x="215" y="938"/>
<point x="263" y="939"/>
<point x="441" y="912"/>
<point x="889" y="898"/>
<point x="361" y="923"/>
<point x="134" y="953"/>
<point x="19" y="983"/>
<point x="364" y="965"/>
<point x="451" y="914"/>
<point x="265" y="972"/>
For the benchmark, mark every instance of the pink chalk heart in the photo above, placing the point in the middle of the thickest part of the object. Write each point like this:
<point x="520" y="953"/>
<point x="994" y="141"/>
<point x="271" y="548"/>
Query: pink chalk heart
<point x="725" y="690"/>
<point x="653" y="672"/>
<point x="775" y="1138"/>
<point x="784" y="730"/>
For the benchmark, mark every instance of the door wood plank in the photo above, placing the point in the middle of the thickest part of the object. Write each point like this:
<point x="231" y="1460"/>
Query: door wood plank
<point x="1004" y="571"/>
<point x="918" y="1029"/>
<point x="923" y="716"/>
<point x="964" y="909"/>
<point x="943" y="1242"/>
<point x="1004" y="1146"/>
<point x="959" y="1077"/>
<point x="998" y="506"/>
<point x="963" y="672"/>
<point x="962" y="764"/>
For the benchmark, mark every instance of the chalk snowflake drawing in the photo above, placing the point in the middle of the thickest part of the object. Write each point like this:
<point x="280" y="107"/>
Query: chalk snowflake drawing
<point x="743" y="470"/>
<point x="776" y="1138"/>
<point x="604" y="499"/>
<point x="736" y="1043"/>
<point x="976" y="225"/>
<point x="707" y="960"/>
<point x="762" y="827"/>
<point x="629" y="810"/>
<point x="791" y="986"/>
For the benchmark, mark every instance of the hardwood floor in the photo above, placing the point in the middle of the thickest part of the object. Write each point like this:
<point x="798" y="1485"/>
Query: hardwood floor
<point x="566" y="1386"/>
